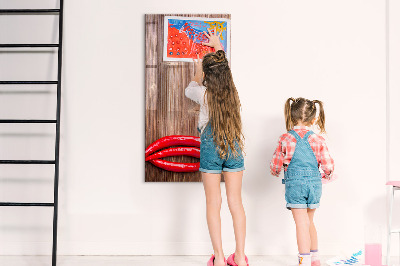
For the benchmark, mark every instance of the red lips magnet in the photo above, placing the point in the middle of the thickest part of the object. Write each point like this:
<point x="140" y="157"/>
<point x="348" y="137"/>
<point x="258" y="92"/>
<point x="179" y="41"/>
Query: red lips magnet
<point x="154" y="152"/>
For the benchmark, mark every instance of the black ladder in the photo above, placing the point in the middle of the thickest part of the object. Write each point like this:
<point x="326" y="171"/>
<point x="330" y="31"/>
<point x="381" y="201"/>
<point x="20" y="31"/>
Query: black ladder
<point x="57" y="82"/>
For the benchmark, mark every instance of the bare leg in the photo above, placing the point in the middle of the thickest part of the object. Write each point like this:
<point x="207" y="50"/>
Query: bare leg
<point x="233" y="183"/>
<point x="302" y="221"/>
<point x="313" y="230"/>
<point x="212" y="190"/>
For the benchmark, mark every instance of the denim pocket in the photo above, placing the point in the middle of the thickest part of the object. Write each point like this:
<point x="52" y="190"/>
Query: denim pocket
<point x="317" y="187"/>
<point x="293" y="191"/>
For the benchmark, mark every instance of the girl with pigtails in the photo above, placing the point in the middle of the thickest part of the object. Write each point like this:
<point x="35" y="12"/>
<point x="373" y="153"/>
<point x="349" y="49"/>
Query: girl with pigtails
<point x="302" y="154"/>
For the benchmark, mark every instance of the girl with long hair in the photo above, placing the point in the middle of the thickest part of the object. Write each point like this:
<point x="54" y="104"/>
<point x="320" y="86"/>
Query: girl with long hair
<point x="221" y="147"/>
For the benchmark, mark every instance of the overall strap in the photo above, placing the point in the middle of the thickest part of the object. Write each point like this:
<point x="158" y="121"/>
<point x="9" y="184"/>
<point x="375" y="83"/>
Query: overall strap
<point x="303" y="164"/>
<point x="309" y="133"/>
<point x="294" y="133"/>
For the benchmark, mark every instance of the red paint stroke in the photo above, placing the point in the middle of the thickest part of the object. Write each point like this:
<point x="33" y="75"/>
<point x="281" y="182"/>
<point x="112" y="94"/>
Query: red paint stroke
<point x="177" y="151"/>
<point x="176" y="167"/>
<point x="181" y="46"/>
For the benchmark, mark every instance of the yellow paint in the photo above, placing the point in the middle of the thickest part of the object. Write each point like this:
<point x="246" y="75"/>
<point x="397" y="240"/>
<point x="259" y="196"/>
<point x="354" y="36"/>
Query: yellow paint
<point x="216" y="25"/>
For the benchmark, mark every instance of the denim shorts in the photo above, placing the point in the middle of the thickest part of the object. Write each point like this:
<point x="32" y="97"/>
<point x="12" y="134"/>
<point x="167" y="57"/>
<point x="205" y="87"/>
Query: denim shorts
<point x="210" y="160"/>
<point x="303" y="193"/>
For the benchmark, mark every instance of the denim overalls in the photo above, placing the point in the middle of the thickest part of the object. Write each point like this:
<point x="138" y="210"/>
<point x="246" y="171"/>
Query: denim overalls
<point x="302" y="181"/>
<point x="211" y="162"/>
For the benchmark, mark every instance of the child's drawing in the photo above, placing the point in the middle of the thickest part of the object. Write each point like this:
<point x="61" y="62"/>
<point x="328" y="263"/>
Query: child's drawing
<point x="183" y="37"/>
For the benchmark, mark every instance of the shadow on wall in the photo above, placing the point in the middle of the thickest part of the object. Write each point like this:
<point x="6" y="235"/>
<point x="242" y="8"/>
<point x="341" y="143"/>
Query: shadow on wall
<point x="263" y="193"/>
<point x="375" y="213"/>
<point x="376" y="222"/>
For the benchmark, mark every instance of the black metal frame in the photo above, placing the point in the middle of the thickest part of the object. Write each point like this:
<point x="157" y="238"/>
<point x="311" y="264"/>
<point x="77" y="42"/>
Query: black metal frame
<point x="56" y="160"/>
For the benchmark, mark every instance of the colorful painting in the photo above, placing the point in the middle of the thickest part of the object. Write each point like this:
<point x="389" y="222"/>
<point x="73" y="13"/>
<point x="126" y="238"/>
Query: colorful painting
<point x="183" y="37"/>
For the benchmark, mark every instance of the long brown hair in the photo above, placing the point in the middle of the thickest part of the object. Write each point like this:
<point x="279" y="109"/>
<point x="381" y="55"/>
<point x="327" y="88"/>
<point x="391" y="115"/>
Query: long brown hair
<point x="303" y="110"/>
<point x="223" y="104"/>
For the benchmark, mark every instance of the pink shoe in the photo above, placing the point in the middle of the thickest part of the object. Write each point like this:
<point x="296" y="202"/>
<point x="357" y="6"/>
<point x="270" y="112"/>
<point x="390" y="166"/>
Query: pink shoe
<point x="211" y="261"/>
<point x="316" y="263"/>
<point x="231" y="260"/>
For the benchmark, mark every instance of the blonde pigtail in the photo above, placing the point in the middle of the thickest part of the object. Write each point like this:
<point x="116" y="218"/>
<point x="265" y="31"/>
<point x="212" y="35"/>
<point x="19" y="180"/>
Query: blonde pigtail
<point x="288" y="114"/>
<point x="321" y="116"/>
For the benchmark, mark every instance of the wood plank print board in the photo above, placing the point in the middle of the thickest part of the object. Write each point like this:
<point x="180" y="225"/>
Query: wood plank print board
<point x="168" y="111"/>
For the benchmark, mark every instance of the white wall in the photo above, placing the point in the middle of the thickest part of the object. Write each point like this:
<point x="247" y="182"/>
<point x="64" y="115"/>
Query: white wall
<point x="333" y="51"/>
<point x="394" y="109"/>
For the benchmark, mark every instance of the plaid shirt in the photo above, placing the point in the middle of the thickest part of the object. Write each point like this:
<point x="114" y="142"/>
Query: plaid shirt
<point x="287" y="144"/>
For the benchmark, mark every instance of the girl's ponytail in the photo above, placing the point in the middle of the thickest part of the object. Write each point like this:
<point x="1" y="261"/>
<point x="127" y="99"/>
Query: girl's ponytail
<point x="321" y="116"/>
<point x="288" y="114"/>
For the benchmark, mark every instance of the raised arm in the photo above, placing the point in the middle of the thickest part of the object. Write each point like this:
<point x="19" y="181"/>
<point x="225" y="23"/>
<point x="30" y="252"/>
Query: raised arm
<point x="199" y="70"/>
<point x="195" y="91"/>
<point x="213" y="41"/>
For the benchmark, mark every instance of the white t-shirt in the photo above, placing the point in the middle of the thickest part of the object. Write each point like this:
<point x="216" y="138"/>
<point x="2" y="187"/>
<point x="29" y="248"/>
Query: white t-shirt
<point x="196" y="93"/>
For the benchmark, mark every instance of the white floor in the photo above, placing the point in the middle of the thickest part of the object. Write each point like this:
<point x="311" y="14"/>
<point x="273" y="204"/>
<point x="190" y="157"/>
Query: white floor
<point x="135" y="260"/>
<point x="142" y="260"/>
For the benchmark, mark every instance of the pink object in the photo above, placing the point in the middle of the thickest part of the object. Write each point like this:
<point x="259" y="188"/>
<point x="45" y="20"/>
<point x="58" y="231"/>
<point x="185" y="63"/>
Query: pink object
<point x="393" y="183"/>
<point x="316" y="263"/>
<point x="211" y="261"/>
<point x="231" y="260"/>
<point x="326" y="181"/>
<point x="373" y="254"/>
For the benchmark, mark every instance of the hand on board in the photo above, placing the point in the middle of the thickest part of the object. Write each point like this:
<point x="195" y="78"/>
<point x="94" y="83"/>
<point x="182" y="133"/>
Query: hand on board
<point x="213" y="39"/>
<point x="198" y="65"/>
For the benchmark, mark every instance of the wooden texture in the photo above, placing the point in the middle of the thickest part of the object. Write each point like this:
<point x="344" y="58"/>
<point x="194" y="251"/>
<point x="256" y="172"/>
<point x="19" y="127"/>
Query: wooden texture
<point x="168" y="111"/>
